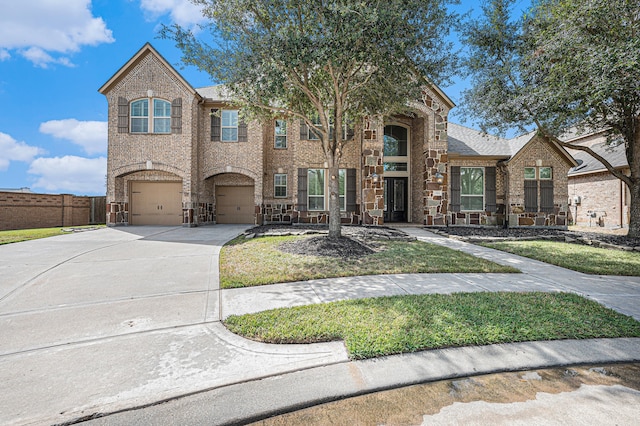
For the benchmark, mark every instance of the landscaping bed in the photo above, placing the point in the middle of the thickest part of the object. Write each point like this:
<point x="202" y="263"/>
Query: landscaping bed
<point x="494" y="234"/>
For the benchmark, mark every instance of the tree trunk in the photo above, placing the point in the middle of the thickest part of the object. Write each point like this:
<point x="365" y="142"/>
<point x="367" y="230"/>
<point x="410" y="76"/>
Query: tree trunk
<point x="334" y="200"/>
<point x="634" y="210"/>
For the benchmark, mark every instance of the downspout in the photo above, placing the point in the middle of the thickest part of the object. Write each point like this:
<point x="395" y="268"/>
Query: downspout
<point x="622" y="194"/>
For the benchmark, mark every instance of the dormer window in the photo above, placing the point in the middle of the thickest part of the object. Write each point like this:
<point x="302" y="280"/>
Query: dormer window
<point x="159" y="121"/>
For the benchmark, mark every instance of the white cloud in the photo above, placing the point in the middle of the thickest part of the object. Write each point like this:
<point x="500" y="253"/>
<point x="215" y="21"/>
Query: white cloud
<point x="4" y="54"/>
<point x="70" y="174"/>
<point x="182" y="12"/>
<point x="36" y="29"/>
<point x="12" y="150"/>
<point x="90" y="135"/>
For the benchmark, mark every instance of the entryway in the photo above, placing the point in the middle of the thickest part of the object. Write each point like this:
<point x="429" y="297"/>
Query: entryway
<point x="395" y="199"/>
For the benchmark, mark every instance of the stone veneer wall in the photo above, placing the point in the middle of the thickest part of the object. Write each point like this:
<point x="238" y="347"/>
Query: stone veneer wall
<point x="496" y="218"/>
<point x="435" y="160"/>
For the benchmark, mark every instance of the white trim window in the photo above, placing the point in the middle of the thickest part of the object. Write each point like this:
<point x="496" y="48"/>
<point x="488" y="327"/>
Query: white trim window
<point x="160" y="117"/>
<point x="471" y="188"/>
<point x="140" y="116"/>
<point x="318" y="186"/>
<point x="280" y="137"/>
<point x="229" y="125"/>
<point x="280" y="185"/>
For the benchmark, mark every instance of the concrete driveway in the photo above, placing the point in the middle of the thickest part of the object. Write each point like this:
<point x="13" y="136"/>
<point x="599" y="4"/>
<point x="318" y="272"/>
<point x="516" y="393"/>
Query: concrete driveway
<point x="121" y="317"/>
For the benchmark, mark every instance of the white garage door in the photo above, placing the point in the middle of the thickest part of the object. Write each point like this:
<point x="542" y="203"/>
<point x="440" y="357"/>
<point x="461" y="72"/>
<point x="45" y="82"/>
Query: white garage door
<point x="156" y="203"/>
<point x="234" y="204"/>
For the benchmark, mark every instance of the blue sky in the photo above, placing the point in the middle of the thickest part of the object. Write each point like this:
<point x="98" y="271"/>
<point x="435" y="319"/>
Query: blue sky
<point x="54" y="55"/>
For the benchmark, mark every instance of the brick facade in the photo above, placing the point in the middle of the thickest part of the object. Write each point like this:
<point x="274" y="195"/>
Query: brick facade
<point x="190" y="154"/>
<point x="20" y="210"/>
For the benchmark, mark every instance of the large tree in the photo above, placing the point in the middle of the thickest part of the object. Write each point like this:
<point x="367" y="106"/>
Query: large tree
<point x="329" y="63"/>
<point x="566" y="65"/>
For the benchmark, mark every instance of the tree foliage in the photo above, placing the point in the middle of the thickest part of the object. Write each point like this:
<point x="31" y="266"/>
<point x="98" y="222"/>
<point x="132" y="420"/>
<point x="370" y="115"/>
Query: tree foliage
<point x="566" y="65"/>
<point x="337" y="61"/>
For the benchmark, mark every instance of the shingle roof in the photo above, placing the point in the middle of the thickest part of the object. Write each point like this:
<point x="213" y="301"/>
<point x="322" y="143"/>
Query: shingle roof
<point x="613" y="154"/>
<point x="217" y="93"/>
<point x="470" y="142"/>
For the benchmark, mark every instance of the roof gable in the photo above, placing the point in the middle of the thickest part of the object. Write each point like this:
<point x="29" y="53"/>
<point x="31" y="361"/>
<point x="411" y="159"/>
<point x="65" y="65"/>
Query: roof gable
<point x="147" y="49"/>
<point x="466" y="142"/>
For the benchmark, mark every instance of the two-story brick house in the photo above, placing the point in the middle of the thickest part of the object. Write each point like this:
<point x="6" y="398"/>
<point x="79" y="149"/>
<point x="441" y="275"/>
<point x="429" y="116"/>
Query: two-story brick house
<point x="179" y="155"/>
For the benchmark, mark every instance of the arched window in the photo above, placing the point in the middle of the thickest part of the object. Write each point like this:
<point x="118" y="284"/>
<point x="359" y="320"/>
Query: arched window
<point x="140" y="116"/>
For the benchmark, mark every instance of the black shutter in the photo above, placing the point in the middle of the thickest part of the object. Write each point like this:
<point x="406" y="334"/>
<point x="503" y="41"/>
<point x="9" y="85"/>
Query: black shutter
<point x="531" y="195"/>
<point x="242" y="131"/>
<point x="351" y="190"/>
<point x="350" y="133"/>
<point x="302" y="190"/>
<point x="215" y="125"/>
<point x="455" y="188"/>
<point x="123" y="115"/>
<point x="304" y="131"/>
<point x="546" y="196"/>
<point x="490" y="189"/>
<point x="176" y="116"/>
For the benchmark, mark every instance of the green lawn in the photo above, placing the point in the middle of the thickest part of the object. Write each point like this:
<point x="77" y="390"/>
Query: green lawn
<point x="399" y="324"/>
<point x="581" y="258"/>
<point x="258" y="261"/>
<point x="16" y="236"/>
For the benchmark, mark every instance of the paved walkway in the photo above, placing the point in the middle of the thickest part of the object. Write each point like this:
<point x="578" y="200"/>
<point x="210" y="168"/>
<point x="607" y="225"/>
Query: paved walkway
<point x="114" y="319"/>
<point x="619" y="293"/>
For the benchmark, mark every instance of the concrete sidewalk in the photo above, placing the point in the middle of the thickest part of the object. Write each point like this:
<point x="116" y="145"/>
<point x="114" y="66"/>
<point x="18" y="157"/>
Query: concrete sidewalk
<point x="118" y="319"/>
<point x="619" y="293"/>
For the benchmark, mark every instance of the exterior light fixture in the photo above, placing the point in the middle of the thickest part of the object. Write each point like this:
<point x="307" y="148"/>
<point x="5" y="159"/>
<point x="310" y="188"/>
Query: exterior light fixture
<point x="375" y="177"/>
<point x="439" y="178"/>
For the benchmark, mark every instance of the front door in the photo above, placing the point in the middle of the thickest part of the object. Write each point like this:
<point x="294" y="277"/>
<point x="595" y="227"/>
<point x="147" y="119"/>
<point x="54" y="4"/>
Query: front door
<point x="395" y="199"/>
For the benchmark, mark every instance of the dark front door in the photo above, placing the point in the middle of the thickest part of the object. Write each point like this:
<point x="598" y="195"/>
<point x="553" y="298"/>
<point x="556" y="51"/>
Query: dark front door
<point x="395" y="199"/>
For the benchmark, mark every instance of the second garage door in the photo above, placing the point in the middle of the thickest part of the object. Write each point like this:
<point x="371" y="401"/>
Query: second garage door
<point x="156" y="203"/>
<point x="234" y="204"/>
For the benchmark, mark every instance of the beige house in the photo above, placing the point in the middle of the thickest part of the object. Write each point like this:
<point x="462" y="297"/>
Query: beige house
<point x="180" y="155"/>
<point x="596" y="197"/>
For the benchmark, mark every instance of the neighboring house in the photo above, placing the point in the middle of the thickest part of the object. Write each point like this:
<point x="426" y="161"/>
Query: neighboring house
<point x="597" y="197"/>
<point x="179" y="155"/>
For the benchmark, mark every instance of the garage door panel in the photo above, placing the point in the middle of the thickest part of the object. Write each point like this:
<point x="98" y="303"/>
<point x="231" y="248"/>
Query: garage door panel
<point x="234" y="204"/>
<point x="156" y="203"/>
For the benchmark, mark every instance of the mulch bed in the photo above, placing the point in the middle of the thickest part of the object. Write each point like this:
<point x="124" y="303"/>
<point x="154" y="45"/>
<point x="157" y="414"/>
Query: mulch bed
<point x="358" y="241"/>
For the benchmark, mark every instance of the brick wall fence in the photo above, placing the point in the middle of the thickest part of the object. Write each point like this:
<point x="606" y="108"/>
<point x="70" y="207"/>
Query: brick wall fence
<point x="20" y="210"/>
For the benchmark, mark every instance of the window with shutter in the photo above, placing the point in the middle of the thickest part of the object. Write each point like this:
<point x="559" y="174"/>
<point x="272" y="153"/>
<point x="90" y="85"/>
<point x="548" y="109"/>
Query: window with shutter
<point x="215" y="125"/>
<point x="123" y="115"/>
<point x="490" y="189"/>
<point x="531" y="195"/>
<point x="302" y="190"/>
<point x="455" y="188"/>
<point x="304" y="131"/>
<point x="351" y="190"/>
<point x="546" y="196"/>
<point x="176" y="116"/>
<point x="243" y="135"/>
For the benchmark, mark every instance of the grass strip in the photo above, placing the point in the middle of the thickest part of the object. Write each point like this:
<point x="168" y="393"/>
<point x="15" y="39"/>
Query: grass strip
<point x="577" y="257"/>
<point x="258" y="261"/>
<point x="16" y="236"/>
<point x="400" y="324"/>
